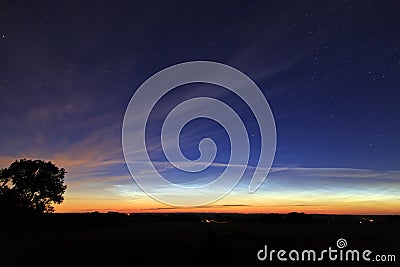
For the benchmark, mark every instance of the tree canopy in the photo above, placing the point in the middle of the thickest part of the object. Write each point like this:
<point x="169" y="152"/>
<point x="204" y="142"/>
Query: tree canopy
<point x="31" y="186"/>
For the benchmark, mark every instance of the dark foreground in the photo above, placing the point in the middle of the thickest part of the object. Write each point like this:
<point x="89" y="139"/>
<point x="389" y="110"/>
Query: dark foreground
<point x="189" y="240"/>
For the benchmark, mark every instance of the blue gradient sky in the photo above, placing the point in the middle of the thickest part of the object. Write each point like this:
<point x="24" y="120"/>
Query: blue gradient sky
<point x="330" y="72"/>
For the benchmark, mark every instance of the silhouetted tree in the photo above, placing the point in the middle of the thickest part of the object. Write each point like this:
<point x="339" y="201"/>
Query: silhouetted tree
<point x="31" y="186"/>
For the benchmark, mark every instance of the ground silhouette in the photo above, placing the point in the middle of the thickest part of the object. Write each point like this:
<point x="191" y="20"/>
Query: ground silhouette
<point x="187" y="239"/>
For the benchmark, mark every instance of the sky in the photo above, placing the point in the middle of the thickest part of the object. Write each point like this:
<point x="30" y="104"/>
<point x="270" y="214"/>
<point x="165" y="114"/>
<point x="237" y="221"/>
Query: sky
<point x="329" y="70"/>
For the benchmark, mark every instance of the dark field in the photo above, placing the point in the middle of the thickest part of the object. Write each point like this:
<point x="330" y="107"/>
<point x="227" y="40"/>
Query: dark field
<point x="184" y="240"/>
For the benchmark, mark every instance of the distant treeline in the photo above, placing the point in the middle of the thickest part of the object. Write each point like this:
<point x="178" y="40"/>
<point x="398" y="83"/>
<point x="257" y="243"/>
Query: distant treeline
<point x="293" y="217"/>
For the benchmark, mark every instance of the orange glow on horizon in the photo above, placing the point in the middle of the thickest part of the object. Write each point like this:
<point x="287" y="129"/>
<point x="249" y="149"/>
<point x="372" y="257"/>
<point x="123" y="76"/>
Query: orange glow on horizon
<point x="151" y="206"/>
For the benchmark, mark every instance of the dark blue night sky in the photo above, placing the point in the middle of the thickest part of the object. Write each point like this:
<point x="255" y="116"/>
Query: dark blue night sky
<point x="329" y="70"/>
